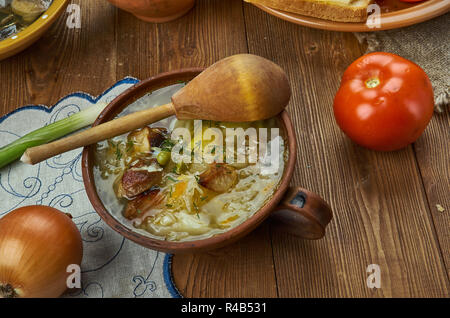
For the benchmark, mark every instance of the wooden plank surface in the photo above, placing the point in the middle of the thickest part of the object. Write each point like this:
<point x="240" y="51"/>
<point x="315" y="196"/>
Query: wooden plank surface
<point x="433" y="156"/>
<point x="211" y="31"/>
<point x="384" y="203"/>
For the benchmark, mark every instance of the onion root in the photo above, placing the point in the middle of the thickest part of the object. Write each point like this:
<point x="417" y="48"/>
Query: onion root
<point x="8" y="291"/>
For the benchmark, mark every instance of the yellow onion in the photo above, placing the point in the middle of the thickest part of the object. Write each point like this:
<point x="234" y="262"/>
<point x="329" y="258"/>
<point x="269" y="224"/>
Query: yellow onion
<point x="37" y="244"/>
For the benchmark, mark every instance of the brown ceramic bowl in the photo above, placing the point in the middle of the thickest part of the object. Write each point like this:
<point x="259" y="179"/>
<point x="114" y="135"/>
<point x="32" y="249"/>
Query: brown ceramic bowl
<point x="296" y="210"/>
<point x="157" y="11"/>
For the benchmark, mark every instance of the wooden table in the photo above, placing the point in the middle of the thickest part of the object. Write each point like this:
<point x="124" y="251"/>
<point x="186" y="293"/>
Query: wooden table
<point x="384" y="203"/>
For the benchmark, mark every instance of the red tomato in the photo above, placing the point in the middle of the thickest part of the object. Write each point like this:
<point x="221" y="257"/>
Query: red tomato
<point x="385" y="101"/>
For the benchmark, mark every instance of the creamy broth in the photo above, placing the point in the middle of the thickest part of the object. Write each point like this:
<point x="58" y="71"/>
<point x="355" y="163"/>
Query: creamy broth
<point x="187" y="202"/>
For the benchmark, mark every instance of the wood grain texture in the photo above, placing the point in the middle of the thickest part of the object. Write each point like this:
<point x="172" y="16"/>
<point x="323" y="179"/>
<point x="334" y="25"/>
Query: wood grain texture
<point x="211" y="31"/>
<point x="433" y="156"/>
<point x="243" y="269"/>
<point x="381" y="212"/>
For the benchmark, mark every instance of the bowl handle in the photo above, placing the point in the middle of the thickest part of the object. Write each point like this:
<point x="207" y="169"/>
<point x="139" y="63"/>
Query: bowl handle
<point x="302" y="213"/>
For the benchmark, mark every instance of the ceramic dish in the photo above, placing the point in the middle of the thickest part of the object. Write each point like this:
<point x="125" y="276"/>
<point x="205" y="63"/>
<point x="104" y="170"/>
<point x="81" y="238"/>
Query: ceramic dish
<point x="32" y="33"/>
<point x="300" y="212"/>
<point x="408" y="15"/>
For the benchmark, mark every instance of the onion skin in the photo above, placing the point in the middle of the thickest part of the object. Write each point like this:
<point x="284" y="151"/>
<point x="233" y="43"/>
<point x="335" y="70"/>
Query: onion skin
<point x="37" y="243"/>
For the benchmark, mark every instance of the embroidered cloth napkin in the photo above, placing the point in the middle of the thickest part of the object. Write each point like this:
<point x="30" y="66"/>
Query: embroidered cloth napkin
<point x="112" y="265"/>
<point x="427" y="44"/>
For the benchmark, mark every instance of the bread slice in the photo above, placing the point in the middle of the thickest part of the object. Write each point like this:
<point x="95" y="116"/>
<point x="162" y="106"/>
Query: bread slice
<point x="335" y="10"/>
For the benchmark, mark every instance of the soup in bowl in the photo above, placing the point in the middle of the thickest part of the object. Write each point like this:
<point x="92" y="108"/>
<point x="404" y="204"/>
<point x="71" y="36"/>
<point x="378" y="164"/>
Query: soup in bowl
<point x="183" y="186"/>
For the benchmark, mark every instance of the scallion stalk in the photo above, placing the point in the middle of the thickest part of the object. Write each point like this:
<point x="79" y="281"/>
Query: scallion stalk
<point x="60" y="128"/>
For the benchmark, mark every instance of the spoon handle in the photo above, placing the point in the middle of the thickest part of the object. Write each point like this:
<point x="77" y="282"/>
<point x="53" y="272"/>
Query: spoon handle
<point x="98" y="133"/>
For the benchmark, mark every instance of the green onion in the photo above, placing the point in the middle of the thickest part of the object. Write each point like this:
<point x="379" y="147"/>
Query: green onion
<point x="60" y="128"/>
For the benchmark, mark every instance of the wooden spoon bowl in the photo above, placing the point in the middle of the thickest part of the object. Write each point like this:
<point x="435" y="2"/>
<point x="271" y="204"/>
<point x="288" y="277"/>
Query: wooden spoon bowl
<point x="301" y="212"/>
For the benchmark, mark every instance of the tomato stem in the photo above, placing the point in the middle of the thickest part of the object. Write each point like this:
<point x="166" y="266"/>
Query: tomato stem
<point x="7" y="291"/>
<point x="372" y="82"/>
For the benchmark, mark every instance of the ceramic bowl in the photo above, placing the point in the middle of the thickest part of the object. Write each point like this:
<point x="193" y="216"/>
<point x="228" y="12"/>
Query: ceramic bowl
<point x="295" y="210"/>
<point x="32" y="33"/>
<point x="157" y="11"/>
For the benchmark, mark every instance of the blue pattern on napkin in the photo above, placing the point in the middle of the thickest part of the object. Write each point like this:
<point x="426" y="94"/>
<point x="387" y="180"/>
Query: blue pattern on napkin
<point x="112" y="266"/>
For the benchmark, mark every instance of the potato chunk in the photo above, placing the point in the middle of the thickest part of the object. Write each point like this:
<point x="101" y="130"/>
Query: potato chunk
<point x="219" y="177"/>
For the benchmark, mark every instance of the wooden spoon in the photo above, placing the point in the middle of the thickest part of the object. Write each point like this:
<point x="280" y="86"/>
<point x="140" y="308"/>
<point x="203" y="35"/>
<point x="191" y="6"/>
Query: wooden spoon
<point x="239" y="88"/>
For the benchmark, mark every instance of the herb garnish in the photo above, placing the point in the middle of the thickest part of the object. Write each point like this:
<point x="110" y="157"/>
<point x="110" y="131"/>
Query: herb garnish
<point x="171" y="179"/>
<point x="118" y="153"/>
<point x="167" y="145"/>
<point x="196" y="209"/>
<point x="130" y="145"/>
